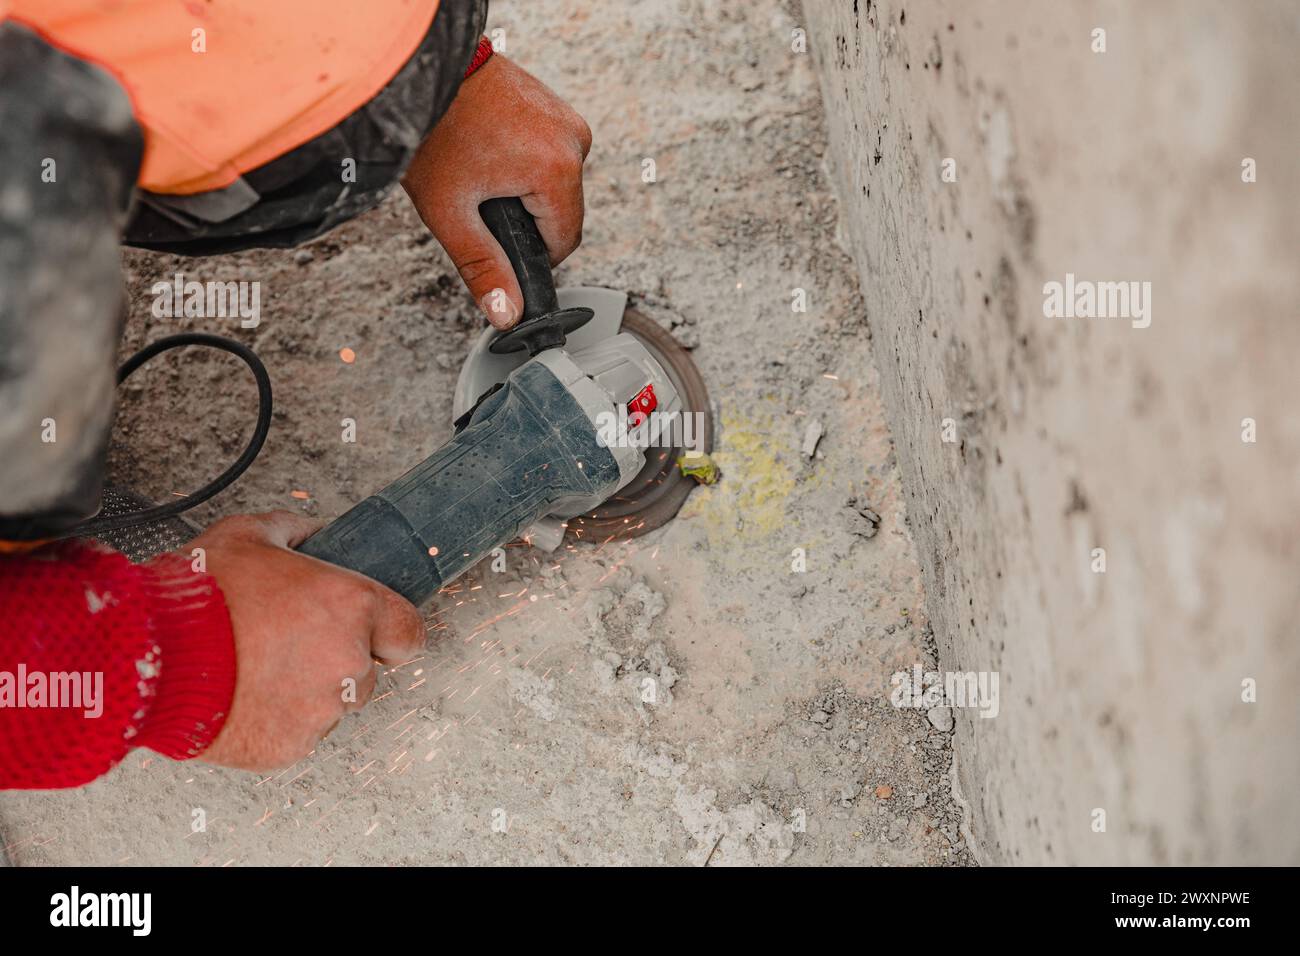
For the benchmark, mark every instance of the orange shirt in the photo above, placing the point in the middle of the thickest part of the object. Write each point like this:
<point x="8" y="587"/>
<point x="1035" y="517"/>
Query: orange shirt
<point x="222" y="87"/>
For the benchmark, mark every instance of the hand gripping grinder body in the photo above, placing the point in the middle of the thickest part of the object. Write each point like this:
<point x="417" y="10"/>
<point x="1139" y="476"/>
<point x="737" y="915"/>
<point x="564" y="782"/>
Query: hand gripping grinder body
<point x="556" y="439"/>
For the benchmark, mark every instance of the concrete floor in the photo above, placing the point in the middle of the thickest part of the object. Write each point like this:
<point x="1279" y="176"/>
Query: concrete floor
<point x="520" y="736"/>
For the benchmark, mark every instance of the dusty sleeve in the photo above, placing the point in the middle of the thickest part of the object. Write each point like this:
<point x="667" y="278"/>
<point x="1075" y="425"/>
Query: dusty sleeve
<point x="69" y="155"/>
<point x="300" y="195"/>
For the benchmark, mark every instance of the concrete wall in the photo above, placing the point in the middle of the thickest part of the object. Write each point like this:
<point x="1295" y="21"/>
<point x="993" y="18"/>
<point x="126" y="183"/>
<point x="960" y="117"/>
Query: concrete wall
<point x="1120" y="691"/>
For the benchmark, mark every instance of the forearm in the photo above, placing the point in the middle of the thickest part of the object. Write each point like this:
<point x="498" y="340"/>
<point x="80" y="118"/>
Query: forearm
<point x="98" y="656"/>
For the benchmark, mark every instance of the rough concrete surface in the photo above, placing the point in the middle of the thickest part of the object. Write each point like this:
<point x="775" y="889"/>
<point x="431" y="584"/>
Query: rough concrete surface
<point x="1124" y="690"/>
<point x="522" y="735"/>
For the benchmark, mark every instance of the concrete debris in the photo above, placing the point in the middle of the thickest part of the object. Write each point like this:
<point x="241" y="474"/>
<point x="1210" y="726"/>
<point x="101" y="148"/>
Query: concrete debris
<point x="842" y="794"/>
<point x="658" y="664"/>
<point x="862" y="520"/>
<point x="649" y="604"/>
<point x="687" y="336"/>
<point x="746" y="835"/>
<point x="811" y="436"/>
<point x="552" y="577"/>
<point x="599" y="603"/>
<point x="682" y="327"/>
<point x="941" y="718"/>
<point x="533" y="692"/>
<point x="625" y="666"/>
<point x="658" y="762"/>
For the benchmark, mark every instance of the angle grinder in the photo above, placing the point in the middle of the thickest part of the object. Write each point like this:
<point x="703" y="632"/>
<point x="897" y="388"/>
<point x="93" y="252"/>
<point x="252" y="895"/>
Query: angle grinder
<point x="570" y="422"/>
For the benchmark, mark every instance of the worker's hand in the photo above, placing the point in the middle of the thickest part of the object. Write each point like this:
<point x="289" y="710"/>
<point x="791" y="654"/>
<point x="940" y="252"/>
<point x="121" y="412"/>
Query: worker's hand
<point x="305" y="633"/>
<point x="505" y="134"/>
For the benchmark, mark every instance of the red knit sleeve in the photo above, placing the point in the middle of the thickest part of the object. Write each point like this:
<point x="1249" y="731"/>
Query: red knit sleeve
<point x="482" y="53"/>
<point x="98" y="656"/>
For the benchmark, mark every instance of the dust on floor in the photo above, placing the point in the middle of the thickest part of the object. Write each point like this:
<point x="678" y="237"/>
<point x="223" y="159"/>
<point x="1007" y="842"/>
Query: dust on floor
<point x="523" y="734"/>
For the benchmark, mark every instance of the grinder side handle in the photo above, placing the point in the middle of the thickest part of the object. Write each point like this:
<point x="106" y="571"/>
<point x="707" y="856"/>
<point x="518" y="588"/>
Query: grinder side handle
<point x="515" y="230"/>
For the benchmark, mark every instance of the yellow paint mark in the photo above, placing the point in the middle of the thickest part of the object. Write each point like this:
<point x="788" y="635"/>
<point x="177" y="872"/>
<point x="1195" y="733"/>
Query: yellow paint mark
<point x="749" y="503"/>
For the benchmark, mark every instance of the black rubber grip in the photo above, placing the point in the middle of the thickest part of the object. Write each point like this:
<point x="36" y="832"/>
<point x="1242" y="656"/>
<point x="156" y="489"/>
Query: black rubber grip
<point x="515" y="229"/>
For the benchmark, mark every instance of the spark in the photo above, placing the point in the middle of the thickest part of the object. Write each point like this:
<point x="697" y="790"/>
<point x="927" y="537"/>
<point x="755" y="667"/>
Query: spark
<point x="402" y="718"/>
<point x="303" y="771"/>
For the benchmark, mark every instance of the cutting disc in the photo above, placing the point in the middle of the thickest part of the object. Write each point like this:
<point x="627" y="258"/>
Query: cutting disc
<point x="659" y="490"/>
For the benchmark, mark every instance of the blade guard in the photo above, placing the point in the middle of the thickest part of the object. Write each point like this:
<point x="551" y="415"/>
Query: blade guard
<point x="484" y="368"/>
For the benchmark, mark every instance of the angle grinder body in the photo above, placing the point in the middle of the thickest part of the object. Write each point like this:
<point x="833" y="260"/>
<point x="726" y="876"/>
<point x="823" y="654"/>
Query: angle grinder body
<point x="547" y="443"/>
